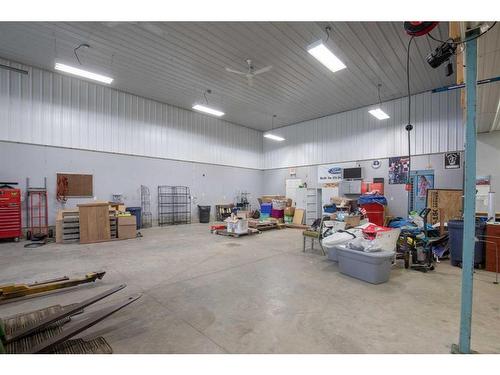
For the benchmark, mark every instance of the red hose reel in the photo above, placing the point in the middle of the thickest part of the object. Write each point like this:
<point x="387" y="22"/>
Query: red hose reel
<point x="419" y="28"/>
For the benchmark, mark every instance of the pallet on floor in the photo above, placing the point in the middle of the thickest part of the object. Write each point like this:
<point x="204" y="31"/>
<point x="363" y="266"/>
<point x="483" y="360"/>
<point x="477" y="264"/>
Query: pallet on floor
<point x="224" y="232"/>
<point x="265" y="225"/>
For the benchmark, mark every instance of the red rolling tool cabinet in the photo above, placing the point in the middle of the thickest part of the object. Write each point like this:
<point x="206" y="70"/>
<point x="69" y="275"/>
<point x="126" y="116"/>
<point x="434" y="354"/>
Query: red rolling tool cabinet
<point x="10" y="212"/>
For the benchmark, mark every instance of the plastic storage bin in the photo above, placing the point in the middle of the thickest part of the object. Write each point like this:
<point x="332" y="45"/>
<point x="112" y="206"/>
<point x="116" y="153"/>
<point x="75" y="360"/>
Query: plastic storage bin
<point x="373" y="267"/>
<point x="136" y="211"/>
<point x="277" y="214"/>
<point x="204" y="214"/>
<point x="266" y="208"/>
<point x="331" y="254"/>
<point x="455" y="231"/>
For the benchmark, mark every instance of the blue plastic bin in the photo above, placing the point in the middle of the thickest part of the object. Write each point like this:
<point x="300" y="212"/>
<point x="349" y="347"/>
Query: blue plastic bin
<point x="266" y="208"/>
<point x="136" y="211"/>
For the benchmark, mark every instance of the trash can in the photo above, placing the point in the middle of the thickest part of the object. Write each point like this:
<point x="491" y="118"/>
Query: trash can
<point x="375" y="213"/>
<point x="204" y="214"/>
<point x="136" y="211"/>
<point x="455" y="231"/>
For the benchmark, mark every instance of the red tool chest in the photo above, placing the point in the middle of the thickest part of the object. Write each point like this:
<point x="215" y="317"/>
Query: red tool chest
<point x="10" y="213"/>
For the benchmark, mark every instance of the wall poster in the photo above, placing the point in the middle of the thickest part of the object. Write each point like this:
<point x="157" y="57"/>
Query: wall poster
<point x="329" y="173"/>
<point x="398" y="170"/>
<point x="452" y="160"/>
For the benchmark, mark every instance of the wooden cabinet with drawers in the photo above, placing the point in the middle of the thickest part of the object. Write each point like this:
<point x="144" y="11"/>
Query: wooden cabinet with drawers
<point x="492" y="235"/>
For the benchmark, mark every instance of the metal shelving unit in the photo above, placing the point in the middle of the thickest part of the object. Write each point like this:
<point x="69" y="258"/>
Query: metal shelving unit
<point x="146" y="215"/>
<point x="174" y="205"/>
<point x="309" y="199"/>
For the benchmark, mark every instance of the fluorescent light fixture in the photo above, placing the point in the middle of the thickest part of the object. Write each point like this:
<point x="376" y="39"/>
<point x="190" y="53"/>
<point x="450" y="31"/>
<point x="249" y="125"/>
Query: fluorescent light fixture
<point x="274" y="137"/>
<point x="378" y="113"/>
<point x="325" y="56"/>
<point x="83" y="73"/>
<point x="209" y="110"/>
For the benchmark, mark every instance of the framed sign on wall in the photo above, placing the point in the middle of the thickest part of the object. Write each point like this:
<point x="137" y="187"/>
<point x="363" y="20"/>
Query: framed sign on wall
<point x="452" y="160"/>
<point x="329" y="173"/>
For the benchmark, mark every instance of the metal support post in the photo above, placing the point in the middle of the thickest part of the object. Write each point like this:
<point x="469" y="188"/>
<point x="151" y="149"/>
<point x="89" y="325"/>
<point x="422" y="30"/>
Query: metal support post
<point x="469" y="196"/>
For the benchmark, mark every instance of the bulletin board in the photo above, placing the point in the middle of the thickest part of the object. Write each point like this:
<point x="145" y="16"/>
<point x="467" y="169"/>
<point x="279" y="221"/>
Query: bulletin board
<point x="75" y="185"/>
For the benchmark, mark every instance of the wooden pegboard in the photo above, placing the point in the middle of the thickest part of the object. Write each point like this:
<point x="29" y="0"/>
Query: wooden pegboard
<point x="76" y="185"/>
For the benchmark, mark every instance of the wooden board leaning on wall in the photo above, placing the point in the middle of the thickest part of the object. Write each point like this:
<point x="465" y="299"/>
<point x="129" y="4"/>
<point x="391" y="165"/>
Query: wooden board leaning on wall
<point x="446" y="202"/>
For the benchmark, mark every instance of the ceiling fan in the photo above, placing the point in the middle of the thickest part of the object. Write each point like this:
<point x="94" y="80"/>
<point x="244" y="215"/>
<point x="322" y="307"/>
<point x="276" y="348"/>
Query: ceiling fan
<point x="251" y="72"/>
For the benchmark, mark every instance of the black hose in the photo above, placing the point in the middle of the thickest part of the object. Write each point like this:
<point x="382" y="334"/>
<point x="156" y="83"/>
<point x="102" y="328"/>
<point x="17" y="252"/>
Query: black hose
<point x="409" y="126"/>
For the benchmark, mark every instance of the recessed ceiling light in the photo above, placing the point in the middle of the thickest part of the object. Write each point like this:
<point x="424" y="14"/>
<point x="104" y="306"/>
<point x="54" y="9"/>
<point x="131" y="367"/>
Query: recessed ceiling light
<point x="203" y="108"/>
<point x="83" y="73"/>
<point x="325" y="56"/>
<point x="274" y="137"/>
<point x="378" y="113"/>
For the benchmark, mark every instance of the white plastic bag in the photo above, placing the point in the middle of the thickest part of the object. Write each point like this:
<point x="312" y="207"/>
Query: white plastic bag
<point x="361" y="244"/>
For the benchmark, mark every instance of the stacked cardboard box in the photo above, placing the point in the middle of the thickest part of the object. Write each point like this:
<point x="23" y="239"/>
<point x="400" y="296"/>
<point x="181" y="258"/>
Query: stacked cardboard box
<point x="127" y="227"/>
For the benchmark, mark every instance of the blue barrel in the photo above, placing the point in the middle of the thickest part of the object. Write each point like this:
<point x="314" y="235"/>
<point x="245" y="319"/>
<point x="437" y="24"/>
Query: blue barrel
<point x="456" y="231"/>
<point x="136" y="211"/>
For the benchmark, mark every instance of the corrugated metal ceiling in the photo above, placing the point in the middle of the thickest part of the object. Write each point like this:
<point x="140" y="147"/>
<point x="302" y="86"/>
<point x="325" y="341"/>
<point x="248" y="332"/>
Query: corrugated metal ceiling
<point x="174" y="62"/>
<point x="488" y="67"/>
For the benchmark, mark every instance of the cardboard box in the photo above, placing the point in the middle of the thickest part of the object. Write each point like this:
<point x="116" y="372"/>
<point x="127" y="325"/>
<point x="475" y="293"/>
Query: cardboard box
<point x="352" y="221"/>
<point x="127" y="231"/>
<point x="269" y="198"/>
<point x="289" y="211"/>
<point x="333" y="216"/>
<point x="341" y="202"/>
<point x="127" y="227"/>
<point x="120" y="207"/>
<point x="127" y="220"/>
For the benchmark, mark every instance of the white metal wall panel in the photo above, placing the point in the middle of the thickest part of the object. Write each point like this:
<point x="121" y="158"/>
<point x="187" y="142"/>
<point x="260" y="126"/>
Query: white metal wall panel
<point x="50" y="109"/>
<point x="356" y="135"/>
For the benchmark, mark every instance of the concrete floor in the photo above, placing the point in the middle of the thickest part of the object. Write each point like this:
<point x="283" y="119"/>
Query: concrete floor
<point x="204" y="293"/>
